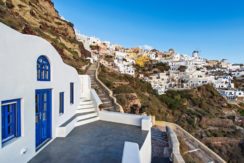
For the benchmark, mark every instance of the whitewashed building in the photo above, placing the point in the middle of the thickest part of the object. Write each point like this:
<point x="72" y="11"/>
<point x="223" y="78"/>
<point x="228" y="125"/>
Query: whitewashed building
<point x="232" y="94"/>
<point x="42" y="98"/>
<point x="223" y="82"/>
<point x="38" y="90"/>
<point x="238" y="73"/>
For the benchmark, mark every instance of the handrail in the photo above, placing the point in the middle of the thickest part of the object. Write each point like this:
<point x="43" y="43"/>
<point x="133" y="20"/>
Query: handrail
<point x="110" y="93"/>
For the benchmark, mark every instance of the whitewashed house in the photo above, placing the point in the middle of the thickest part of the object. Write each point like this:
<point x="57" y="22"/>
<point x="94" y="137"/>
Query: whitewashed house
<point x="223" y="82"/>
<point x="152" y="56"/>
<point x="232" y="94"/>
<point x="176" y="57"/>
<point x="234" y="67"/>
<point x="38" y="90"/>
<point x="238" y="73"/>
<point x="42" y="98"/>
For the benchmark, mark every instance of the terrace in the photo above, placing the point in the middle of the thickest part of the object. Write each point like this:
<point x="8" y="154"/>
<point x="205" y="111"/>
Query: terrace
<point x="95" y="142"/>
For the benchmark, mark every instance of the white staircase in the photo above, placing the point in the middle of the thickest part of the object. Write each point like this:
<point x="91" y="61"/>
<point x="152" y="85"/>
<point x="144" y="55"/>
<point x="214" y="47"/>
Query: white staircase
<point x="86" y="112"/>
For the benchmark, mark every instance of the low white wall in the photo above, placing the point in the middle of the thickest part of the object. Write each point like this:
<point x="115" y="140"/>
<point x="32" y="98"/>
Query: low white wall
<point x="146" y="123"/>
<point x="124" y="118"/>
<point x="146" y="149"/>
<point x="95" y="98"/>
<point x="63" y="131"/>
<point x="131" y="153"/>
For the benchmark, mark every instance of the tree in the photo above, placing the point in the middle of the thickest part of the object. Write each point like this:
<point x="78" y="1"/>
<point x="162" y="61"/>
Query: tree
<point x="163" y="67"/>
<point x="182" y="68"/>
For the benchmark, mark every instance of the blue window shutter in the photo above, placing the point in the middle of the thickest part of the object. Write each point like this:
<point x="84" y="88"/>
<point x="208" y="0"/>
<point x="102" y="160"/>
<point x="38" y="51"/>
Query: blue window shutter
<point x="61" y="102"/>
<point x="11" y="119"/>
<point x="72" y="93"/>
<point x="18" y="119"/>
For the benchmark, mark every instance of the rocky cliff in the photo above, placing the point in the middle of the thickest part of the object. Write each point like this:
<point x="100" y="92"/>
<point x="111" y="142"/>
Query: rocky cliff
<point x="39" y="17"/>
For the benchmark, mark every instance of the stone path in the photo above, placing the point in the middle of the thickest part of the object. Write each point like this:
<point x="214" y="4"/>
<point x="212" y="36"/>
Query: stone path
<point x="106" y="100"/>
<point x="160" y="147"/>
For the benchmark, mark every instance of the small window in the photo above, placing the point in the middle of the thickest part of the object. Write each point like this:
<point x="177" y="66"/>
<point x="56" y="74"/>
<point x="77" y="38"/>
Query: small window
<point x="10" y="120"/>
<point x="61" y="102"/>
<point x="72" y="93"/>
<point x="43" y="69"/>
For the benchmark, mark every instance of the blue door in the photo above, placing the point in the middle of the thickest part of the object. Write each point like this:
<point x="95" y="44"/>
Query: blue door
<point x="43" y="116"/>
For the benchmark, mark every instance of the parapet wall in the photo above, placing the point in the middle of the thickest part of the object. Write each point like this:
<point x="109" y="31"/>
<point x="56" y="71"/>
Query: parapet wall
<point x="174" y="145"/>
<point x="181" y="132"/>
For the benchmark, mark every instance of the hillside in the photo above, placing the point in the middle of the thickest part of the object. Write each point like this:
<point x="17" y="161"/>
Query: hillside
<point x="239" y="83"/>
<point x="39" y="17"/>
<point x="201" y="111"/>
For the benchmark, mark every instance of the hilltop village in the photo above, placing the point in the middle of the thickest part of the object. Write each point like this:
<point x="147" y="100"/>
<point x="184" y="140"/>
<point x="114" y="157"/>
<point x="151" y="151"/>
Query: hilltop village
<point x="169" y="70"/>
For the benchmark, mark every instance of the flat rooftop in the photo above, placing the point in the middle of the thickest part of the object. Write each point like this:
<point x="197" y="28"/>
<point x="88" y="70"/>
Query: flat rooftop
<point x="96" y="142"/>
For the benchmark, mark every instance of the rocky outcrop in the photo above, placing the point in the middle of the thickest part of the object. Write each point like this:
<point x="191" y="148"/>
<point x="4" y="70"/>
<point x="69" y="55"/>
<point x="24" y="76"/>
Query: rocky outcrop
<point x="39" y="17"/>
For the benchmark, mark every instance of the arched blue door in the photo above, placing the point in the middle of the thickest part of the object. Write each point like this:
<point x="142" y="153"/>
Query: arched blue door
<point x="43" y="116"/>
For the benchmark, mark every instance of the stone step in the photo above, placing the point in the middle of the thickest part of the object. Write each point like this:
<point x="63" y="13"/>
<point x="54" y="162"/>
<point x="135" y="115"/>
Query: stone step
<point x="104" y="98"/>
<point x="82" y="99"/>
<point x="85" y="106"/>
<point x="89" y="102"/>
<point x="86" y="115"/>
<point x="86" y="110"/>
<point x="106" y="102"/>
<point x="109" y="108"/>
<point x="102" y="95"/>
<point x="87" y="120"/>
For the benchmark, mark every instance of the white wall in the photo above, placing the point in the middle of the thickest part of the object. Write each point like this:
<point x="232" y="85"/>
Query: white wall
<point x="85" y="87"/>
<point x="146" y="149"/>
<point x="131" y="153"/>
<point x="18" y="56"/>
<point x="124" y="118"/>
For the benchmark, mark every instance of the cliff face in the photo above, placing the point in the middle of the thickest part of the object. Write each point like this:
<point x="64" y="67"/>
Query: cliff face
<point x="39" y="17"/>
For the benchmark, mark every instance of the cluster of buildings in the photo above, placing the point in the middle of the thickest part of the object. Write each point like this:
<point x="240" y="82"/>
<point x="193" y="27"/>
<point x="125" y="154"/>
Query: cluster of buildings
<point x="189" y="72"/>
<point x="185" y="72"/>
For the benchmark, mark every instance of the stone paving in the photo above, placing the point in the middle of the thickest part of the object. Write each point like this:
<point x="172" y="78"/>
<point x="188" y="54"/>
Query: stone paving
<point x="160" y="147"/>
<point x="96" y="142"/>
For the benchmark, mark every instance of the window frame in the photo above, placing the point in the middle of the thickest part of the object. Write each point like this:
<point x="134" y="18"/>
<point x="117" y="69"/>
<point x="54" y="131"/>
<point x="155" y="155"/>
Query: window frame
<point x="72" y="93"/>
<point x="61" y="103"/>
<point x="43" y="69"/>
<point x="14" y="111"/>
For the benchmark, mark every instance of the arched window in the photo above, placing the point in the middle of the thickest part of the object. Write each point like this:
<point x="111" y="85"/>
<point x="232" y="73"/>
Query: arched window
<point x="43" y="69"/>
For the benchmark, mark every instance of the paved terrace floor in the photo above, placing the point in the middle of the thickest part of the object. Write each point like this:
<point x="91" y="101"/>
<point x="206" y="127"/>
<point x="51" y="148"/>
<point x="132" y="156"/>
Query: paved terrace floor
<point x="97" y="142"/>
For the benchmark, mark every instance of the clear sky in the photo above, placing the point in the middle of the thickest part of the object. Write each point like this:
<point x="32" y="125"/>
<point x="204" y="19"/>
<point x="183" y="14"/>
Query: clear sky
<point x="214" y="27"/>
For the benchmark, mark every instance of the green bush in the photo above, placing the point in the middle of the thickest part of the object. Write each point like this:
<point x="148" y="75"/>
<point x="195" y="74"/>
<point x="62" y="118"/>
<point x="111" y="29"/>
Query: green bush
<point x="241" y="112"/>
<point x="123" y="89"/>
<point x="171" y="102"/>
<point x="121" y="100"/>
<point x="241" y="104"/>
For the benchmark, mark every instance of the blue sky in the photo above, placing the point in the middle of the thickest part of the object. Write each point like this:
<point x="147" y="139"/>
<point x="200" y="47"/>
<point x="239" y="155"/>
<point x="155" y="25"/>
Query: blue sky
<point x="214" y="27"/>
